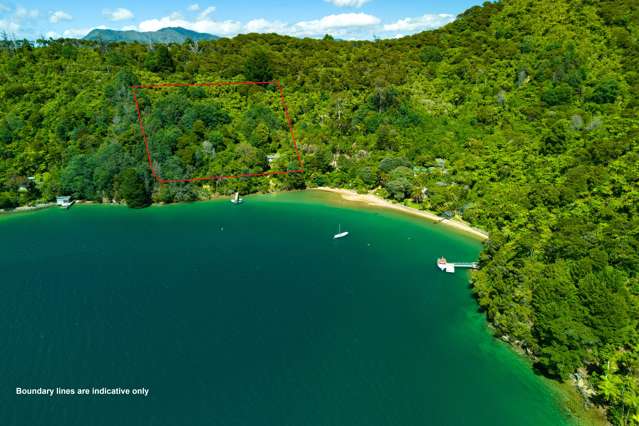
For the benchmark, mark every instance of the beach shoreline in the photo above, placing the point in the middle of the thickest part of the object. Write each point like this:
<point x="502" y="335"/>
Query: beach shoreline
<point x="23" y="209"/>
<point x="346" y="194"/>
<point x="374" y="200"/>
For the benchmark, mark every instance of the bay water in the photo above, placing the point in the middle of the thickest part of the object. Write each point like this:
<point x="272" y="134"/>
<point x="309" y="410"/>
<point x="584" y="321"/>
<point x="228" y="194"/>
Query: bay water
<point x="250" y="315"/>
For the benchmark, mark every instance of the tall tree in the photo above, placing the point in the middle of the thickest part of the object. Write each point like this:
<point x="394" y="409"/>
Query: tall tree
<point x="257" y="66"/>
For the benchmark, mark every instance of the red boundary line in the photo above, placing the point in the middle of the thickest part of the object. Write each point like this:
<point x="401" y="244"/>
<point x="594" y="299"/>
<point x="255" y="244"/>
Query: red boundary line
<point x="289" y="122"/>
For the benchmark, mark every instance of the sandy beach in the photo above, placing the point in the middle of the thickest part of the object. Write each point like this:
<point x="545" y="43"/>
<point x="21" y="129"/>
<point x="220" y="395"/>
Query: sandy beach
<point x="27" y="208"/>
<point x="374" y="200"/>
<point x="346" y="194"/>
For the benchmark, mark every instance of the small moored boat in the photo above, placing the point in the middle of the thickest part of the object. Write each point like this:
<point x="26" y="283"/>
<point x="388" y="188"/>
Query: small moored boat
<point x="441" y="263"/>
<point x="236" y="199"/>
<point x="340" y="234"/>
<point x="444" y="265"/>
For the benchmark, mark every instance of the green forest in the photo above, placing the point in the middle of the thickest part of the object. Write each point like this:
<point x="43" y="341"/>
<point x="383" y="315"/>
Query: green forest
<point x="216" y="130"/>
<point x="521" y="117"/>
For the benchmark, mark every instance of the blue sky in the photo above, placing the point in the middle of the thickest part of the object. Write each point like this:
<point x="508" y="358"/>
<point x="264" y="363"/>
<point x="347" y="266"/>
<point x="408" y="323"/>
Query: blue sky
<point x="347" y="19"/>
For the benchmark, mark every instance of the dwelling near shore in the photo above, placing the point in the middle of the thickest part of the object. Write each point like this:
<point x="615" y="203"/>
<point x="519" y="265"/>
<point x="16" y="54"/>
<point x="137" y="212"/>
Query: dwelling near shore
<point x="272" y="157"/>
<point x="63" y="201"/>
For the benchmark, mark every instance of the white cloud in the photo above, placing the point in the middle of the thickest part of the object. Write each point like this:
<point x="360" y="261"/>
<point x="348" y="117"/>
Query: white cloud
<point x="129" y="28"/>
<point x="204" y="26"/>
<point x="59" y="16"/>
<point x="347" y="26"/>
<point x="344" y="25"/>
<point x="193" y="8"/>
<point x="264" y="26"/>
<point x="9" y="26"/>
<point x="19" y="19"/>
<point x="348" y="3"/>
<point x="421" y="23"/>
<point x="335" y="24"/>
<point x="206" y="12"/>
<point x="21" y="12"/>
<point x="52" y="34"/>
<point x="355" y="26"/>
<point x="76" y="32"/>
<point x="344" y="20"/>
<point x="119" y="14"/>
<point x="80" y="32"/>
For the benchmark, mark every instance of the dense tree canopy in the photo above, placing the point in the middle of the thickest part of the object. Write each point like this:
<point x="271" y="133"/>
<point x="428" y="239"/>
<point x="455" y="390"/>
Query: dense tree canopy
<point x="132" y="188"/>
<point x="521" y="117"/>
<point x="257" y="66"/>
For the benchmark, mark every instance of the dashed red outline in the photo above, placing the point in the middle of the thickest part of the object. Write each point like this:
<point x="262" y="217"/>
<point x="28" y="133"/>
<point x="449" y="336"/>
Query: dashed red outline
<point x="279" y="87"/>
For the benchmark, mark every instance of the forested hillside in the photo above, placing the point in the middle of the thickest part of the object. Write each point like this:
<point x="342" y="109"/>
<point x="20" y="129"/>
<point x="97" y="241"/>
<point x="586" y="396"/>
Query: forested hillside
<point x="521" y="117"/>
<point x="231" y="130"/>
<point x="165" y="35"/>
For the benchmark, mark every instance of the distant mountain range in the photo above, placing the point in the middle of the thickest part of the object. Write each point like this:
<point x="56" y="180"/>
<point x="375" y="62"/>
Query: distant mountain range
<point x="165" y="35"/>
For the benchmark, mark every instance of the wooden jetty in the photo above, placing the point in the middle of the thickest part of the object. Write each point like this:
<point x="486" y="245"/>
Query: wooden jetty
<point x="449" y="267"/>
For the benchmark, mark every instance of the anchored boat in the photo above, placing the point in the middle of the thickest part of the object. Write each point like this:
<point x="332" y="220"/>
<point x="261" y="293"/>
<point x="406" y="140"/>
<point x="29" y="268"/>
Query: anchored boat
<point x="449" y="267"/>
<point x="236" y="199"/>
<point x="340" y="234"/>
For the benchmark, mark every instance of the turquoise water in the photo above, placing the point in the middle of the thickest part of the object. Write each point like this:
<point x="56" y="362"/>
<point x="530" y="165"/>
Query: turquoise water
<point x="250" y="315"/>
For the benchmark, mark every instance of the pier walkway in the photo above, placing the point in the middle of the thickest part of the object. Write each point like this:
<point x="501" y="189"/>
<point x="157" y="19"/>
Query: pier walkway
<point x="449" y="267"/>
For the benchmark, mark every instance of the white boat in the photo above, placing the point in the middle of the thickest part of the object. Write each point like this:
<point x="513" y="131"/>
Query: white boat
<point x="340" y="234"/>
<point x="64" y="201"/>
<point x="236" y="199"/>
<point x="443" y="265"/>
